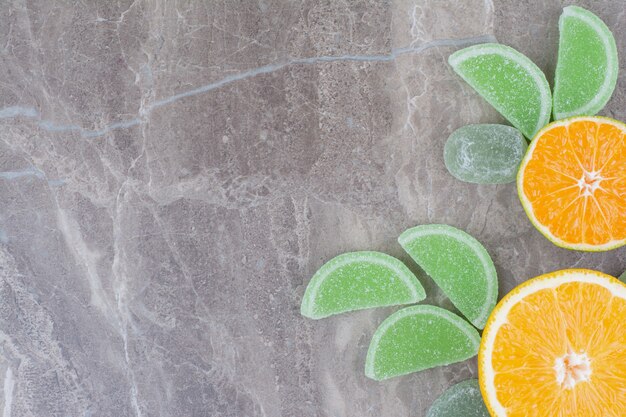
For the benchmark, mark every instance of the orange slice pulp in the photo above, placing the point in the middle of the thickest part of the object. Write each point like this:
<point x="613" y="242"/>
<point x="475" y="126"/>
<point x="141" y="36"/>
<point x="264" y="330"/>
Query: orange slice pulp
<point x="572" y="183"/>
<point x="556" y="346"/>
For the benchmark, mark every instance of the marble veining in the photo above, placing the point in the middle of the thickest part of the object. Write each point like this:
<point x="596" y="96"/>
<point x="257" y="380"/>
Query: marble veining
<point x="29" y="112"/>
<point x="173" y="172"/>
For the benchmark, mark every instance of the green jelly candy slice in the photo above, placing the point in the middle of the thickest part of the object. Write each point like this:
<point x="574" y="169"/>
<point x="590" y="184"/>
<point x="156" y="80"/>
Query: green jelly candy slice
<point x="623" y="277"/>
<point x="461" y="400"/>
<point x="359" y="280"/>
<point x="509" y="81"/>
<point x="417" y="338"/>
<point x="587" y="66"/>
<point x="485" y="154"/>
<point x="459" y="265"/>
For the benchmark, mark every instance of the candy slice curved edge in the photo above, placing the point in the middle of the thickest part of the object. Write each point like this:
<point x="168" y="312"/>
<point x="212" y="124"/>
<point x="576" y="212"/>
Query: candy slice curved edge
<point x="470" y="333"/>
<point x="610" y="47"/>
<point x="401" y="271"/>
<point x="541" y="82"/>
<point x="479" y="250"/>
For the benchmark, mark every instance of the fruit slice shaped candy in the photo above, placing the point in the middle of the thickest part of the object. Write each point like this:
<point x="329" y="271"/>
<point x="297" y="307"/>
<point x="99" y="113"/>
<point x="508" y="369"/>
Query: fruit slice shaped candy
<point x="419" y="337"/>
<point x="359" y="280"/>
<point x="572" y="183"/>
<point x="459" y="265"/>
<point x="485" y="154"/>
<point x="509" y="81"/>
<point x="461" y="400"/>
<point x="587" y="66"/>
<point x="556" y="345"/>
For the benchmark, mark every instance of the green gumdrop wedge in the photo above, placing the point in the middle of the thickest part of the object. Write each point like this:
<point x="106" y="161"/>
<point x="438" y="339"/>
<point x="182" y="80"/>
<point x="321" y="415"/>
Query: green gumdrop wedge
<point x="509" y="81"/>
<point x="485" y="153"/>
<point x="417" y="338"/>
<point x="461" y="400"/>
<point x="623" y="277"/>
<point x="359" y="280"/>
<point x="587" y="65"/>
<point x="459" y="265"/>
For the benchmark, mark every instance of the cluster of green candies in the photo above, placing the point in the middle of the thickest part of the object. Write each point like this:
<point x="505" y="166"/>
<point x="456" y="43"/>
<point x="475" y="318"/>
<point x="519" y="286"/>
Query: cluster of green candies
<point x="585" y="77"/>
<point x="417" y="337"/>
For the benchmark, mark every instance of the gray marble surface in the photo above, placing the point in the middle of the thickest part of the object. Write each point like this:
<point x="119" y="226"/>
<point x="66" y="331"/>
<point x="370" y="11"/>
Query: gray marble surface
<point x="173" y="172"/>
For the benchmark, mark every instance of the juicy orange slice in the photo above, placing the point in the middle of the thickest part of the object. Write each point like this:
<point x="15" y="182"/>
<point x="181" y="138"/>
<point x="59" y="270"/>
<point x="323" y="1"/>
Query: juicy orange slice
<point x="572" y="183"/>
<point x="556" y="346"/>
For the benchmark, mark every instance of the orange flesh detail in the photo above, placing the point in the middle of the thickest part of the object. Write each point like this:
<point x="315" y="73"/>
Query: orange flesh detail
<point x="573" y="317"/>
<point x="575" y="181"/>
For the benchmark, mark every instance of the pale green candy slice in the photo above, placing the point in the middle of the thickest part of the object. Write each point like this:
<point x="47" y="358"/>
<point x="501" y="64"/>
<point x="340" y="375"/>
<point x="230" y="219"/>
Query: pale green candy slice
<point x="417" y="338"/>
<point x="461" y="400"/>
<point x="485" y="154"/>
<point x="509" y="81"/>
<point x="459" y="265"/>
<point x="587" y="66"/>
<point x="623" y="277"/>
<point x="359" y="280"/>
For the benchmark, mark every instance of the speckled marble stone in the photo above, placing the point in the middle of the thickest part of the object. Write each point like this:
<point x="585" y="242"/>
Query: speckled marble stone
<point x="172" y="173"/>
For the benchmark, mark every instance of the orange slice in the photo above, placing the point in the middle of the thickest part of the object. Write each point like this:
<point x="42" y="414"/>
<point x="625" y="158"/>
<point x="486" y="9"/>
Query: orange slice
<point x="556" y="346"/>
<point x="572" y="183"/>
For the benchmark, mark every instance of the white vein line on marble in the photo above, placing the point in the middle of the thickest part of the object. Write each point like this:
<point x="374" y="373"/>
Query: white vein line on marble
<point x="50" y="126"/>
<point x="30" y="112"/>
<point x="17" y="111"/>
<point x="395" y="53"/>
<point x="9" y="383"/>
<point x="30" y="172"/>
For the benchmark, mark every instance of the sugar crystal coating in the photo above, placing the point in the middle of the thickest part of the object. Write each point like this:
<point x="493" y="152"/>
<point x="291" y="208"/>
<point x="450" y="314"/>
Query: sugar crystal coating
<point x="417" y="338"/>
<point x="587" y="65"/>
<point x="459" y="265"/>
<point x="485" y="153"/>
<point x="359" y="280"/>
<point x="509" y="81"/>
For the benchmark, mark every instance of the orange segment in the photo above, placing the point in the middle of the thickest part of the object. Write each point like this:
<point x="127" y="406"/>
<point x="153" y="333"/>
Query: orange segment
<point x="572" y="183"/>
<point x="559" y="157"/>
<point x="610" y="144"/>
<point x="556" y="346"/>
<point x="581" y="136"/>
